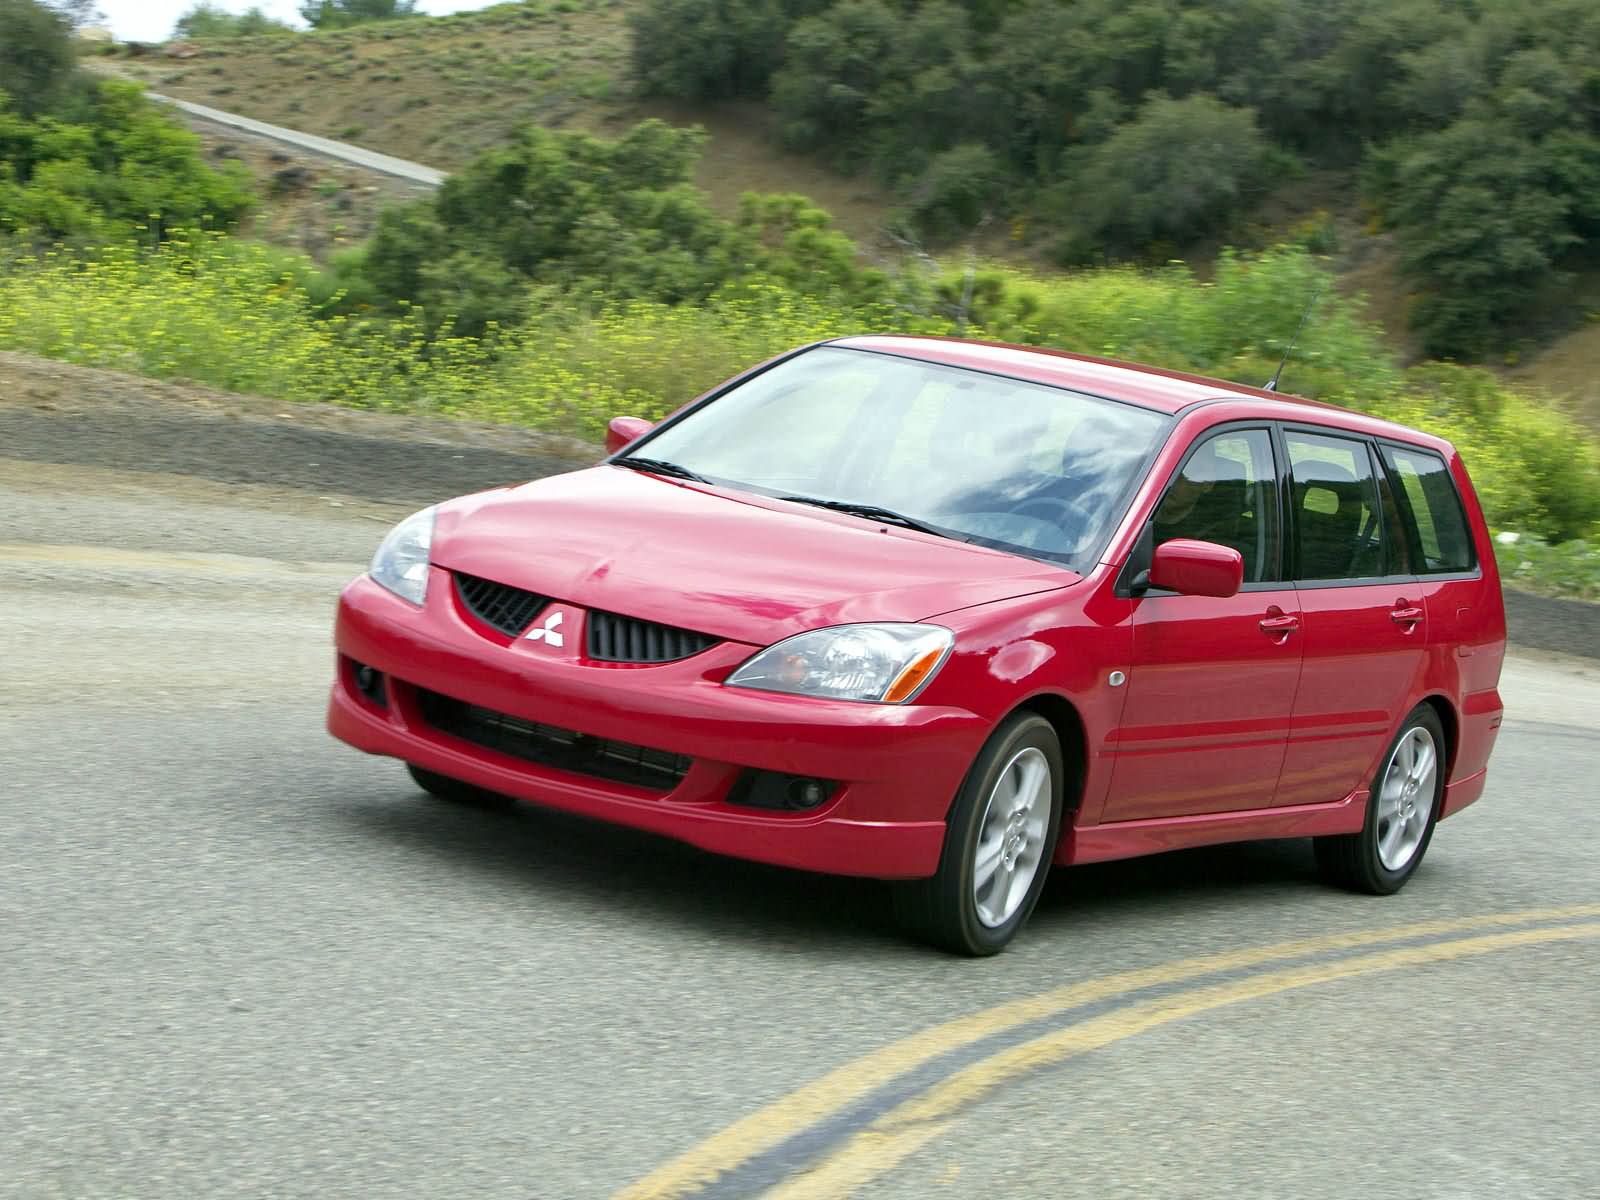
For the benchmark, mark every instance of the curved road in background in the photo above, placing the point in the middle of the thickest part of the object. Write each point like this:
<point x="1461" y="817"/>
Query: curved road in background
<point x="342" y="151"/>
<point x="242" y="960"/>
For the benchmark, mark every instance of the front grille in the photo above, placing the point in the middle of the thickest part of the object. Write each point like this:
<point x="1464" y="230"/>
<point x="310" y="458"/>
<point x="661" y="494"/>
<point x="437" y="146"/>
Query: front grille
<point x="628" y="640"/>
<point x="549" y="746"/>
<point x="508" y="609"/>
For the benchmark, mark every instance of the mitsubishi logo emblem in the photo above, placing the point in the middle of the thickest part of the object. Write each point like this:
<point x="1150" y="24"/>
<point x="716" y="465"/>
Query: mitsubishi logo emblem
<point x="547" y="632"/>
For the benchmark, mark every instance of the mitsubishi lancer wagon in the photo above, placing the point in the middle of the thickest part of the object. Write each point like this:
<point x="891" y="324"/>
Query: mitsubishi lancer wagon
<point x="951" y="614"/>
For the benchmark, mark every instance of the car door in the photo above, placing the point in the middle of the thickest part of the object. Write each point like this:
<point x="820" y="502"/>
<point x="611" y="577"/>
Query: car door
<point x="1212" y="682"/>
<point x="1363" y="616"/>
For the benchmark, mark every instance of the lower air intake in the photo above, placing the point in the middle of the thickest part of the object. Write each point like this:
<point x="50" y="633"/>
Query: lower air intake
<point x="551" y="746"/>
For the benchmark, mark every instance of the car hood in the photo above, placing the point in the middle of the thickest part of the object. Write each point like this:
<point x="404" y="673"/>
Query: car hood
<point x="732" y="564"/>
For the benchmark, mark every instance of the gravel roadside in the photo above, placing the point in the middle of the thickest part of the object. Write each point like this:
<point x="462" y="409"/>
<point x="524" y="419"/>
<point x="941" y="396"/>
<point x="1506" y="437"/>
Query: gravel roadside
<point x="53" y="412"/>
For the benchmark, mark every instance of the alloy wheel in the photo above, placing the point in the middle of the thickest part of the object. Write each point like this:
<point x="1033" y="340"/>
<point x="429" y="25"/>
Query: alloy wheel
<point x="1011" y="837"/>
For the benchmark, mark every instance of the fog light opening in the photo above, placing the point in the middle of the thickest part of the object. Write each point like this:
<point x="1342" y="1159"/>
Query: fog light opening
<point x="370" y="683"/>
<point x="807" y="793"/>
<point x="776" y="790"/>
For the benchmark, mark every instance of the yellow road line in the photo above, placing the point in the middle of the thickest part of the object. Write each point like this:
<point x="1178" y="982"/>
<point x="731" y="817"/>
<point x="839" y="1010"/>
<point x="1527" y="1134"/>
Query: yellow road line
<point x="899" y="1133"/>
<point x="823" y="1097"/>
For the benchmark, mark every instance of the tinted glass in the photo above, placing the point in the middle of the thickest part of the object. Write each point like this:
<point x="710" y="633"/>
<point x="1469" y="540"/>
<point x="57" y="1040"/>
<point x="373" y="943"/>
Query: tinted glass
<point x="1227" y="493"/>
<point x="1338" y="524"/>
<point x="1431" y="509"/>
<point x="997" y="461"/>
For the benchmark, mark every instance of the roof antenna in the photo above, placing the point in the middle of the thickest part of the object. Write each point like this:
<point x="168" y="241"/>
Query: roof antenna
<point x="1272" y="384"/>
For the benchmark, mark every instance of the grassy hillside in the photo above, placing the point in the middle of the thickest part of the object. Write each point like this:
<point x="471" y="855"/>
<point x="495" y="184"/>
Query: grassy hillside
<point x="1569" y="369"/>
<point x="439" y="90"/>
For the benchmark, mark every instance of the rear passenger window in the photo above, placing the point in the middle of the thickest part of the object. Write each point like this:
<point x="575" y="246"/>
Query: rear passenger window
<point x="1338" y="521"/>
<point x="1431" y="510"/>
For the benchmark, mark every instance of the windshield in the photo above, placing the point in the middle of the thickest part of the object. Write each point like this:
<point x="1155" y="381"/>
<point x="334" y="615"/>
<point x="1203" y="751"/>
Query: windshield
<point x="1019" y="466"/>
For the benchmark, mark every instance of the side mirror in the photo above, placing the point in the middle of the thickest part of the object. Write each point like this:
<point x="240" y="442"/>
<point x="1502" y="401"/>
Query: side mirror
<point x="623" y="430"/>
<point x="1197" y="568"/>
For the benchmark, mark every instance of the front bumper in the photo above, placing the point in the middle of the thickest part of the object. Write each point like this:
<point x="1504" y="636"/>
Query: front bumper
<point x="899" y="766"/>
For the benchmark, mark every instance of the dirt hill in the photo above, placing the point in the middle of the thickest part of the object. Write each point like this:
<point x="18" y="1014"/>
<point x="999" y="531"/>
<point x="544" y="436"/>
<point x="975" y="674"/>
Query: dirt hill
<point x="439" y="90"/>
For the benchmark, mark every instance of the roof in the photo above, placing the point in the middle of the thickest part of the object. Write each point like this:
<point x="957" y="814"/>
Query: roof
<point x="1168" y="391"/>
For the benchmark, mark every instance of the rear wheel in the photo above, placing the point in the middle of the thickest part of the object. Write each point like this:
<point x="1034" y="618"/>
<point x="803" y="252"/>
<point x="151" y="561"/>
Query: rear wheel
<point x="1401" y="813"/>
<point x="999" y="840"/>
<point x="454" y="790"/>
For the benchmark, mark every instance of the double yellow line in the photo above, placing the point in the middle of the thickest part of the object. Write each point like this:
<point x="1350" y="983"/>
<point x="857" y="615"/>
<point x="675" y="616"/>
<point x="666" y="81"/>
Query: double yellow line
<point x="902" y="1130"/>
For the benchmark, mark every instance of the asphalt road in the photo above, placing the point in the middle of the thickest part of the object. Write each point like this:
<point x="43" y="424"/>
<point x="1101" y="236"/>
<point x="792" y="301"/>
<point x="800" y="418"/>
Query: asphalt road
<point x="341" y="151"/>
<point x="239" y="959"/>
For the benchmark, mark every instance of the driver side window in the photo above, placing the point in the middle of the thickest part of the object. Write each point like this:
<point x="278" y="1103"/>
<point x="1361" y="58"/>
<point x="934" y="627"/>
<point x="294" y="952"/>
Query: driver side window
<point x="1227" y="493"/>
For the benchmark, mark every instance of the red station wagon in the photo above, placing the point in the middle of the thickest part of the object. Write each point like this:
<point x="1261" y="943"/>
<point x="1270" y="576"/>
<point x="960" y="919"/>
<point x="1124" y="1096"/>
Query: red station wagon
<point x="947" y="613"/>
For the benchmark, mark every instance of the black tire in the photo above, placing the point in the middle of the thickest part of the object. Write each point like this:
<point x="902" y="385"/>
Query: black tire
<point x="943" y="909"/>
<point x="1352" y="860"/>
<point x="456" y="791"/>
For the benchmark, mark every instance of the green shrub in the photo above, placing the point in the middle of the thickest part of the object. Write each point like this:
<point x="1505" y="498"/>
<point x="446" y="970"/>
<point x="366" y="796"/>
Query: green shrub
<point x="1180" y="169"/>
<point x="573" y="213"/>
<point x="962" y="188"/>
<point x="239" y="316"/>
<point x="117" y="164"/>
<point x="236" y="315"/>
<point x="1571" y="569"/>
<point x="792" y="240"/>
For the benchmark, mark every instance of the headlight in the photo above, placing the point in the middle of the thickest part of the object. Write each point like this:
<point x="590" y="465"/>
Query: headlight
<point x="886" y="664"/>
<point x="401" y="563"/>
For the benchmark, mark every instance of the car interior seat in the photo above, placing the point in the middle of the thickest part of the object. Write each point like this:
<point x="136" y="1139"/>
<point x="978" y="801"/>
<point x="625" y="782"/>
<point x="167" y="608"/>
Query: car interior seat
<point x="1222" y="512"/>
<point x="1328" y="506"/>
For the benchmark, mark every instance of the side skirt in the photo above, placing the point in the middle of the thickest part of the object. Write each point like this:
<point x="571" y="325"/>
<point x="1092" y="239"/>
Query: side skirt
<point x="1130" y="839"/>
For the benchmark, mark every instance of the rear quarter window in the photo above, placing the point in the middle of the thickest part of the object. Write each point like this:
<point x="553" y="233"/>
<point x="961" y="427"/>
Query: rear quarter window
<point x="1431" y="510"/>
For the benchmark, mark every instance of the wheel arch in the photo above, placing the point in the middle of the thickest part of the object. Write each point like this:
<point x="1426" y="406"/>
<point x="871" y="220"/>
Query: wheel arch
<point x="1450" y="722"/>
<point x="1068" y="723"/>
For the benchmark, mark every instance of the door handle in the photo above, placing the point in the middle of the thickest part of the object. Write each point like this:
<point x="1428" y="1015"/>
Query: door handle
<point x="1281" y="625"/>
<point x="1406" y="616"/>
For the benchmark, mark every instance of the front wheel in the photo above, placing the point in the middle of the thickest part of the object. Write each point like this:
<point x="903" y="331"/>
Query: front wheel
<point x="999" y="840"/>
<point x="1401" y="813"/>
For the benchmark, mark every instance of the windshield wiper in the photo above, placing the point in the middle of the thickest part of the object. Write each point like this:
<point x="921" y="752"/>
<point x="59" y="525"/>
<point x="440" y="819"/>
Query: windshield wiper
<point x="871" y="512"/>
<point x="659" y="466"/>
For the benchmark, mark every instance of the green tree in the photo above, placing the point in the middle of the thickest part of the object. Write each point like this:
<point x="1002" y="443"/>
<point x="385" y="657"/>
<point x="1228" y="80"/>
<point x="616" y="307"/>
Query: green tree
<point x="1178" y="171"/>
<point x="870" y="85"/>
<point x="37" y="66"/>
<point x="707" y="49"/>
<point x="112" y="164"/>
<point x="1482" y="223"/>
<point x="834" y="65"/>
<point x="1493" y="204"/>
<point x="210" y="20"/>
<point x="334" y="14"/>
